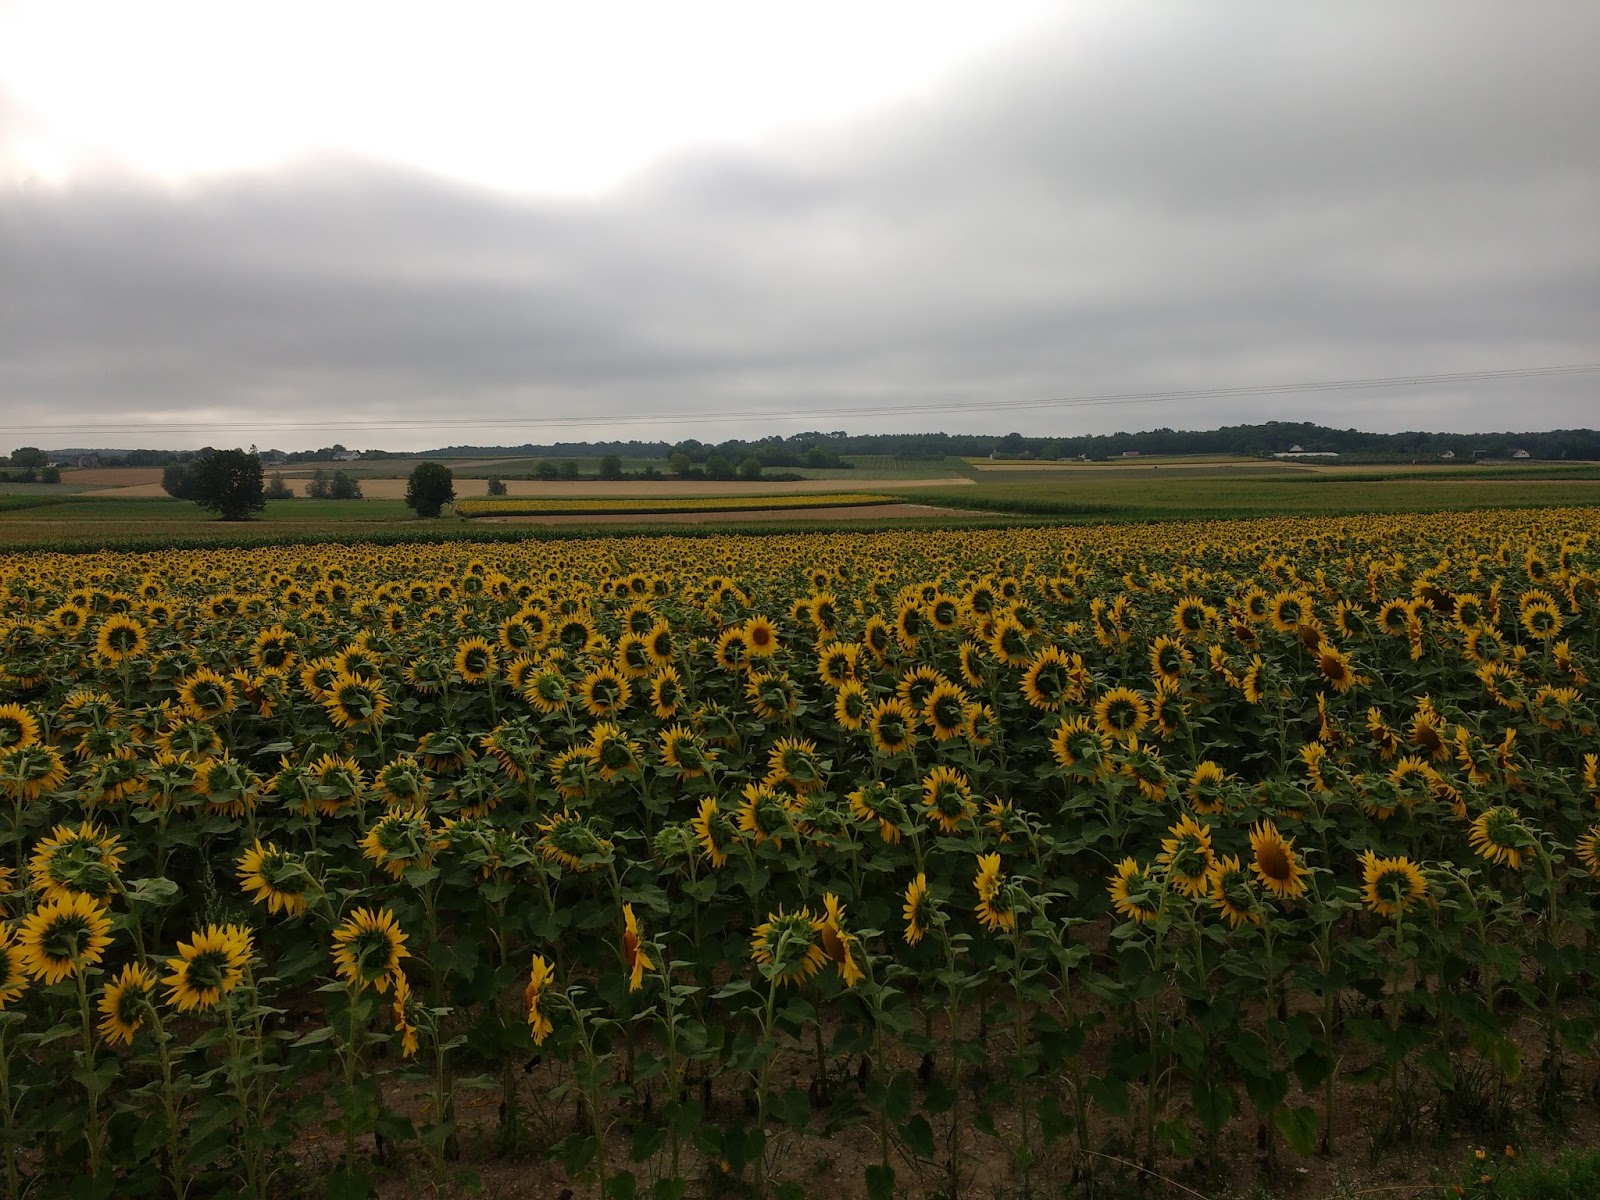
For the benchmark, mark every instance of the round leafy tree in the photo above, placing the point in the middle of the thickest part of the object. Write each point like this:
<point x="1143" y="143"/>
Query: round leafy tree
<point x="228" y="483"/>
<point x="431" y="486"/>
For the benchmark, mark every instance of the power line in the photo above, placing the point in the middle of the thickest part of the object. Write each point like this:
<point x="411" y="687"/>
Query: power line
<point x="1107" y="399"/>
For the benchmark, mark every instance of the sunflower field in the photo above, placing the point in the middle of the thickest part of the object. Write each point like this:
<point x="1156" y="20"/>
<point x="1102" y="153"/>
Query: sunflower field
<point x="913" y="863"/>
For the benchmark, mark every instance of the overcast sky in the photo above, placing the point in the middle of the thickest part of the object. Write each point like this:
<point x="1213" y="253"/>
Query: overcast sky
<point x="470" y="223"/>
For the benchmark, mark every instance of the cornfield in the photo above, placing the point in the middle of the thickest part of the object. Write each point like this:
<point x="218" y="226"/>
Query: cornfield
<point x="997" y="856"/>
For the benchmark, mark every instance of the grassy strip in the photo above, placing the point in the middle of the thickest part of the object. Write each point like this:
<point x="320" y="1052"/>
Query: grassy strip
<point x="533" y="507"/>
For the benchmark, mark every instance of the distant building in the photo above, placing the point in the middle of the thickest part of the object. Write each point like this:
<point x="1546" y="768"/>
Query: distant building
<point x="1448" y="454"/>
<point x="347" y="456"/>
<point x="1297" y="450"/>
<point x="1130" y="454"/>
<point x="1520" y="454"/>
<point x="1299" y="453"/>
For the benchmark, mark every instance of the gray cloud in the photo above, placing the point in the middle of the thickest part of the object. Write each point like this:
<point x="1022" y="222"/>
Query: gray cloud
<point x="1229" y="194"/>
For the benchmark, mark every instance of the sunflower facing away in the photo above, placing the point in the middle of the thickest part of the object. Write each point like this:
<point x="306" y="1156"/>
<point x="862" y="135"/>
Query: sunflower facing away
<point x="917" y="910"/>
<point x="275" y="878"/>
<point x="635" y="957"/>
<point x="947" y="795"/>
<point x="13" y="972"/>
<point x="838" y="943"/>
<point x="1501" y="836"/>
<point x="788" y="946"/>
<point x="207" y="967"/>
<point x="540" y="976"/>
<point x="85" y="859"/>
<point x="1389" y="886"/>
<point x="126" y="1003"/>
<point x="1135" y="892"/>
<point x="1233" y="893"/>
<point x="1186" y="856"/>
<point x="994" y="908"/>
<point x="62" y="937"/>
<point x="368" y="947"/>
<point x="713" y="831"/>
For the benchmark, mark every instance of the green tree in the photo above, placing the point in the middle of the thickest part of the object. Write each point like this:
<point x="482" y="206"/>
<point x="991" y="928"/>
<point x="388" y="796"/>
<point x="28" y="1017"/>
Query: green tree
<point x="176" y="481"/>
<point x="277" y="489"/>
<point x="545" y="469"/>
<point x="718" y="467"/>
<point x="50" y="475"/>
<point x="344" y="486"/>
<point x="497" y="486"/>
<point x="750" y="468"/>
<point x="29" y="456"/>
<point x="228" y="483"/>
<point x="611" y="467"/>
<point x="318" y="487"/>
<point x="431" y="486"/>
<point x="568" y="469"/>
<point x="680" y="464"/>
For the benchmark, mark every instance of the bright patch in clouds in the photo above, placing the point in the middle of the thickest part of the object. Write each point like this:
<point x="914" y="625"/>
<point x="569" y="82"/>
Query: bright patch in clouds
<point x="550" y="97"/>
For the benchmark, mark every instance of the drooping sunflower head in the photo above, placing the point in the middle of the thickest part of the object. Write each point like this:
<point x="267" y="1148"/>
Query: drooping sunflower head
<point x="771" y="695"/>
<point x="1501" y="835"/>
<point x="1079" y="748"/>
<point x="368" y="947"/>
<point x="353" y="702"/>
<point x="788" y="946"/>
<point x="401" y="838"/>
<point x="28" y="772"/>
<point x="666" y="693"/>
<point x="764" y="815"/>
<point x="1587" y="848"/>
<point x="684" y="751"/>
<point x="838" y="943"/>
<point x="13" y="969"/>
<point x="635" y="954"/>
<point x="614" y="753"/>
<point x="541" y="976"/>
<point x="1135" y="891"/>
<point x="877" y="802"/>
<point x="208" y="966"/>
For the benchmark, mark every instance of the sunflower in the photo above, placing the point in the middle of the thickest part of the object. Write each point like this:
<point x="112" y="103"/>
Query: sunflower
<point x="18" y="727"/>
<point x="771" y="695"/>
<point x="275" y="878"/>
<point x="635" y="956"/>
<point x="1288" y="610"/>
<point x="63" y="936"/>
<point x="567" y="839"/>
<point x="1009" y="643"/>
<point x="947" y="795"/>
<point x="974" y="667"/>
<point x="1587" y="848"/>
<point x="761" y="637"/>
<point x="28" y="772"/>
<point x="1389" y="886"/>
<point x="1142" y="764"/>
<point x="354" y="703"/>
<point x="666" y="693"/>
<point x="1335" y="668"/>
<point x="685" y="753"/>
<point x="401" y="1011"/>
<point x="713" y="831"/>
<point x="918" y="909"/>
<point x="995" y="909"/>
<point x="401" y="838"/>
<point x="1501" y="836"/>
<point x="732" y="651"/>
<point x="119" y="639"/>
<point x="1170" y="658"/>
<point x="875" y="801"/>
<point x="126" y="1003"/>
<point x="658" y="644"/>
<point x="1276" y="865"/>
<point x="788" y="947"/>
<point x="838" y="943"/>
<point x="837" y="663"/>
<point x="475" y="660"/>
<point x="1120" y="713"/>
<point x="1078" y="747"/>
<point x="851" y="706"/>
<point x="893" y="725"/>
<point x="85" y="861"/>
<point x="1250" y="683"/>
<point x="1232" y="892"/>
<point x="1186" y="856"/>
<point x="604" y="691"/>
<point x="1191" y="617"/>
<point x="368" y="947"/>
<point x="917" y="686"/>
<point x="1055" y="679"/>
<point x="794" y="761"/>
<point x="540" y="976"/>
<point x="763" y="815"/>
<point x="1541" y="618"/>
<point x="207" y="967"/>
<point x="340" y="783"/>
<point x="1135" y="891"/>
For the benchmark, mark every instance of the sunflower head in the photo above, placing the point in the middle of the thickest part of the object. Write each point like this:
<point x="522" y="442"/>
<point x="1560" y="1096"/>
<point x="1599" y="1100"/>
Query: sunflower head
<point x="919" y="911"/>
<point x="788" y="946"/>
<point x="207" y="967"/>
<point x="1135" y="891"/>
<point x="1275" y="863"/>
<point x="368" y="947"/>
<point x="1233" y="893"/>
<point x="64" y="936"/>
<point x="126" y="1004"/>
<point x="1501" y="835"/>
